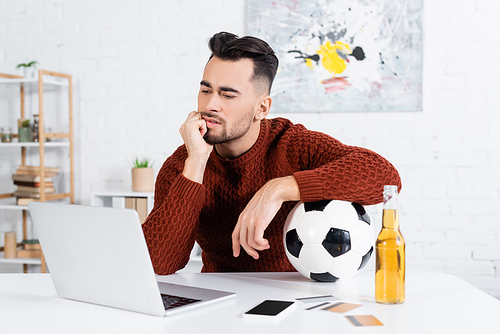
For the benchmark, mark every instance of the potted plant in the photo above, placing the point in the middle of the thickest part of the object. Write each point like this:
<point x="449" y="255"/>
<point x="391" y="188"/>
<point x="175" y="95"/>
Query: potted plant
<point x="143" y="178"/>
<point x="24" y="130"/>
<point x="29" y="69"/>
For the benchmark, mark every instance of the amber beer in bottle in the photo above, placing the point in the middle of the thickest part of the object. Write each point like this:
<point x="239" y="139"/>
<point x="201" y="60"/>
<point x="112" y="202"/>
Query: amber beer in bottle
<point x="390" y="253"/>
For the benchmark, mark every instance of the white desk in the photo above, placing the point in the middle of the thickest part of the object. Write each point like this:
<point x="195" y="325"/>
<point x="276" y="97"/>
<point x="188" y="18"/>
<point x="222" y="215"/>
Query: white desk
<point x="435" y="303"/>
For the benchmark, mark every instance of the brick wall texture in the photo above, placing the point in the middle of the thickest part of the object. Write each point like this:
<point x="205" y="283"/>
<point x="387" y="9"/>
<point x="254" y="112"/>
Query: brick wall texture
<point x="137" y="66"/>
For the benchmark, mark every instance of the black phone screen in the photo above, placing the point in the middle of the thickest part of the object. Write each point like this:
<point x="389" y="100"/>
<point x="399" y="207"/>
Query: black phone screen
<point x="269" y="307"/>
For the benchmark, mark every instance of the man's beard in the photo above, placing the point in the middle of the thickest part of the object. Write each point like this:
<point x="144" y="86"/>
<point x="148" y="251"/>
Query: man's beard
<point x="239" y="129"/>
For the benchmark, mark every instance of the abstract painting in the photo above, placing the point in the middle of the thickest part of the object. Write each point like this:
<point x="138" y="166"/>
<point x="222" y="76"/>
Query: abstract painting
<point x="342" y="55"/>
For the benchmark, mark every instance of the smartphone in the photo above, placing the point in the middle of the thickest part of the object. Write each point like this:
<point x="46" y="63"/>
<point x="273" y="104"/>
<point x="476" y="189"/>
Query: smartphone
<point x="270" y="308"/>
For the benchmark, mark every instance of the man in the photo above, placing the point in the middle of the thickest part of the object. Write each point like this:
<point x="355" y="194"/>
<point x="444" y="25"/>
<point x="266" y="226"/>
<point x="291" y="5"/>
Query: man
<point x="232" y="184"/>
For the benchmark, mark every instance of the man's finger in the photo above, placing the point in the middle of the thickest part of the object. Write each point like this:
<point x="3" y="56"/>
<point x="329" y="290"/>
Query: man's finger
<point x="192" y="114"/>
<point x="202" y="126"/>
<point x="236" y="241"/>
<point x="255" y="241"/>
<point x="252" y="252"/>
<point x="244" y="243"/>
<point x="250" y="236"/>
<point x="259" y="237"/>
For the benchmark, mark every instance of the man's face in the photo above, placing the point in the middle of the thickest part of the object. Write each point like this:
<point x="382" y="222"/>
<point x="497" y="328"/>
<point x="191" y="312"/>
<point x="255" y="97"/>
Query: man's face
<point x="227" y="100"/>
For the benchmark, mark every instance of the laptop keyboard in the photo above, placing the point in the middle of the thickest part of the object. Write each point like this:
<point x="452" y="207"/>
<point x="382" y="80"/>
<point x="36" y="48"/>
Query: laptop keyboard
<point x="171" y="302"/>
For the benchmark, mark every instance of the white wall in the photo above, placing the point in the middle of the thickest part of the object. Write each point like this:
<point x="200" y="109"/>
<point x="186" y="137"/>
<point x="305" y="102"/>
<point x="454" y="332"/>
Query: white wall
<point x="137" y="66"/>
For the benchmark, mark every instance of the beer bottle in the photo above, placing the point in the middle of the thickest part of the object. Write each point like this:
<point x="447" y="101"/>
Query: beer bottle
<point x="390" y="253"/>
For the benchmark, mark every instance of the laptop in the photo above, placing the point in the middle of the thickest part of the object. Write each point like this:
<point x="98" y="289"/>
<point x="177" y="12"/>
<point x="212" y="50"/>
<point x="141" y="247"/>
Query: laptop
<point x="99" y="255"/>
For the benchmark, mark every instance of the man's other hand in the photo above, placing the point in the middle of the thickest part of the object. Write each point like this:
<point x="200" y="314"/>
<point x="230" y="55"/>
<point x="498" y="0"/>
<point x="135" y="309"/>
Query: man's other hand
<point x="258" y="214"/>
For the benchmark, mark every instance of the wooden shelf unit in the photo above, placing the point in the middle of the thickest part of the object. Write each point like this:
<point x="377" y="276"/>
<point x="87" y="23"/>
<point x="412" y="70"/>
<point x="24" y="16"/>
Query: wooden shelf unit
<point x="45" y="79"/>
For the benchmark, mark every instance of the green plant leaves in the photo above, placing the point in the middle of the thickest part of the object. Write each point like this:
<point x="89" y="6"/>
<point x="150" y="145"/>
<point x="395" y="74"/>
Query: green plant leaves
<point x="144" y="163"/>
<point x="27" y="64"/>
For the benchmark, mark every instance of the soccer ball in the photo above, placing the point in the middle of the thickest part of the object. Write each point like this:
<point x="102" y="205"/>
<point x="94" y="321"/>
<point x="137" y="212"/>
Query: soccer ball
<point x="328" y="240"/>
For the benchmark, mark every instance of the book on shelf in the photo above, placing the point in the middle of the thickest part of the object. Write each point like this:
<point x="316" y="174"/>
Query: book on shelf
<point x="35" y="170"/>
<point x="30" y="194"/>
<point x="28" y="253"/>
<point x="22" y="172"/>
<point x="28" y="182"/>
<point x="35" y="173"/>
<point x="33" y="184"/>
<point x="25" y="201"/>
<point x="29" y="178"/>
<point x="31" y="244"/>
<point x="36" y="190"/>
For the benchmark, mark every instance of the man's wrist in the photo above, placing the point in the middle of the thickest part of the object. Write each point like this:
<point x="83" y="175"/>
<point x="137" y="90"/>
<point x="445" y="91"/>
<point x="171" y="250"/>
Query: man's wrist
<point x="194" y="169"/>
<point x="287" y="189"/>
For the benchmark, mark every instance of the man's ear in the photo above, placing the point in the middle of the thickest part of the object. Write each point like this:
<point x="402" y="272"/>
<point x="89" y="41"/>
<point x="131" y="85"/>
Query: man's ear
<point x="263" y="108"/>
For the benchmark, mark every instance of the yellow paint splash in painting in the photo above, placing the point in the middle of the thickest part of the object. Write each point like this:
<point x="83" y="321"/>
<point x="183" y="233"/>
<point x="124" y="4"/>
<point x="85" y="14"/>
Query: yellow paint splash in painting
<point x="331" y="59"/>
<point x="309" y="63"/>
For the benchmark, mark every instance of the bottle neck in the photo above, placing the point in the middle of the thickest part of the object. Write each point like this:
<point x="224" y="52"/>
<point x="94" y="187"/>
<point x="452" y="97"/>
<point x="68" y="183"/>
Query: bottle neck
<point x="390" y="219"/>
<point x="390" y="216"/>
<point x="390" y="200"/>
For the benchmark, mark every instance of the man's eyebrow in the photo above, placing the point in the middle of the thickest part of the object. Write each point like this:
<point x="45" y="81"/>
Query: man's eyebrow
<point x="229" y="89"/>
<point x="205" y="83"/>
<point x="222" y="88"/>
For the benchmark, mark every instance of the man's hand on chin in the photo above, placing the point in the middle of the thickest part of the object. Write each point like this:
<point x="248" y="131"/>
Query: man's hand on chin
<point x="192" y="132"/>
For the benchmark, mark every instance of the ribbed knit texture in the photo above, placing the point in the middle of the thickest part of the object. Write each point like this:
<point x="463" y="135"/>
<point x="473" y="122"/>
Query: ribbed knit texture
<point x="185" y="211"/>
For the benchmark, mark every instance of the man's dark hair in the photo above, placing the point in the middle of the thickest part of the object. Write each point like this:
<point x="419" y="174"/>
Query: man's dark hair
<point x="229" y="47"/>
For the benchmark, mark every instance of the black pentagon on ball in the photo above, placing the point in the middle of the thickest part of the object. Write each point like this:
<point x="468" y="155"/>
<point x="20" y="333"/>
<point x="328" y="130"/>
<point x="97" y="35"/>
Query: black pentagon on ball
<point x="337" y="242"/>
<point x="323" y="277"/>
<point x="365" y="258"/>
<point x="362" y="215"/>
<point x="316" y="206"/>
<point x="293" y="243"/>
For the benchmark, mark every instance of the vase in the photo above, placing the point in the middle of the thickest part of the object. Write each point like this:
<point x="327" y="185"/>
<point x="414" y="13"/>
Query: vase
<point x="24" y="134"/>
<point x="10" y="245"/>
<point x="143" y="179"/>
<point x="30" y="73"/>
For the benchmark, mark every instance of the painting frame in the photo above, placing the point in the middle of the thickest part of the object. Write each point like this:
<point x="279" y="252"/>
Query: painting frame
<point x="343" y="55"/>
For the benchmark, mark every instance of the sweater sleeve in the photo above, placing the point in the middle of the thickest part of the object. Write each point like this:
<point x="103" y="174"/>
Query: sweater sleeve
<point x="332" y="170"/>
<point x="170" y="228"/>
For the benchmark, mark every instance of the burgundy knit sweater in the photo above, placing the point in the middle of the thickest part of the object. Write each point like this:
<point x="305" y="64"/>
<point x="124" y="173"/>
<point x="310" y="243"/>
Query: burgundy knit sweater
<point x="185" y="211"/>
